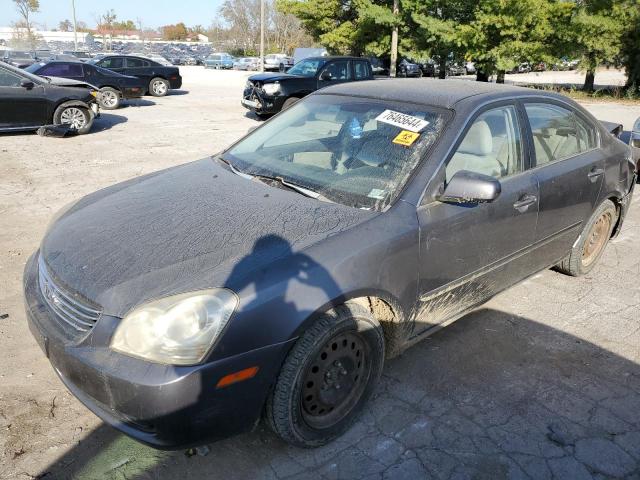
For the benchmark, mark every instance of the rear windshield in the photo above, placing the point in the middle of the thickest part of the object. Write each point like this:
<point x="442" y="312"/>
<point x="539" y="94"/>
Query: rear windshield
<point x="357" y="152"/>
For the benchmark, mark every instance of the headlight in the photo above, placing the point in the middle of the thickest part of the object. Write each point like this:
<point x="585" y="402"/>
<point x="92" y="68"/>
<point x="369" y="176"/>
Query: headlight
<point x="271" y="88"/>
<point x="177" y="330"/>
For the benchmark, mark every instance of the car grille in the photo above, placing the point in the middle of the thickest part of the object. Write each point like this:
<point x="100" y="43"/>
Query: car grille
<point x="72" y="312"/>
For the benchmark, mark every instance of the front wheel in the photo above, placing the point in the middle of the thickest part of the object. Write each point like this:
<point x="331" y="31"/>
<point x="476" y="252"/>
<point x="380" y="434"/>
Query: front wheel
<point x="327" y="377"/>
<point x="75" y="117"/>
<point x="109" y="98"/>
<point x="594" y="238"/>
<point x="158" y="87"/>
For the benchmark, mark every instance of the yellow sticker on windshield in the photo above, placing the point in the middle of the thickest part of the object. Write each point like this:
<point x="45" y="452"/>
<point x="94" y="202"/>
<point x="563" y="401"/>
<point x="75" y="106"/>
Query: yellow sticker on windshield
<point x="406" y="138"/>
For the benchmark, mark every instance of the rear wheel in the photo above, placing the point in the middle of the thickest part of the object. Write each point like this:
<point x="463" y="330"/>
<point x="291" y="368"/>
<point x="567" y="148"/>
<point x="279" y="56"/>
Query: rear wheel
<point x="158" y="87"/>
<point x="109" y="98"/>
<point x="75" y="116"/>
<point x="592" y="242"/>
<point x="327" y="377"/>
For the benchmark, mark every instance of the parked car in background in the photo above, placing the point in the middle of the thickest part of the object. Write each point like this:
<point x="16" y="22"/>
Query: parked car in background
<point x="470" y="68"/>
<point x="158" y="79"/>
<point x="247" y="63"/>
<point x="455" y="69"/>
<point x="278" y="62"/>
<point x="113" y="86"/>
<point x="268" y="93"/>
<point x="428" y="68"/>
<point x="28" y="102"/>
<point x="79" y="54"/>
<point x="272" y="280"/>
<point x="156" y="58"/>
<point x="18" y="58"/>
<point x="219" y="61"/>
<point x="634" y="141"/>
<point x="407" y="68"/>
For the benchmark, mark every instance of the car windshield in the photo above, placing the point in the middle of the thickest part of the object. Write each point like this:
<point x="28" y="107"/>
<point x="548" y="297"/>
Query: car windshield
<point x="34" y="68"/>
<point x="306" y="68"/>
<point x="350" y="151"/>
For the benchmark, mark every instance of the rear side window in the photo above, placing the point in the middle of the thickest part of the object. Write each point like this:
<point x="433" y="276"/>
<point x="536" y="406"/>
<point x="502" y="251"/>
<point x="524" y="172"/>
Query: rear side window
<point x="558" y="133"/>
<point x="492" y="146"/>
<point x="361" y="70"/>
<point x="61" y="70"/>
<point x="113" y="62"/>
<point x="136" y="63"/>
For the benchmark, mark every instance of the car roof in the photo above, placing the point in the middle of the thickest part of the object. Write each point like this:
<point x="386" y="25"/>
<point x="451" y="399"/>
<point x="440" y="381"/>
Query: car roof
<point x="429" y="91"/>
<point x="334" y="57"/>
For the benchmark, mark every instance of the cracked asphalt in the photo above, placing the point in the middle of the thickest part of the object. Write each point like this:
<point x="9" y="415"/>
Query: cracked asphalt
<point x="542" y="382"/>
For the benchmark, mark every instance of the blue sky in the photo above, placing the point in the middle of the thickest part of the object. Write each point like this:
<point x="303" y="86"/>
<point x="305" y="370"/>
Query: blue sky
<point x="153" y="13"/>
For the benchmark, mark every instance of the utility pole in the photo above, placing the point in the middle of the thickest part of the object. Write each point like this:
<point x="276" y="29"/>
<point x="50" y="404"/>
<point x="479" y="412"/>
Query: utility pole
<point x="394" y="41"/>
<point x="262" y="35"/>
<point x="75" y="26"/>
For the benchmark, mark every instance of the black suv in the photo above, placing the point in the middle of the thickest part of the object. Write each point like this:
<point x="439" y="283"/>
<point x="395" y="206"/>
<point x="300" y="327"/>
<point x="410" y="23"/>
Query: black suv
<point x="157" y="78"/>
<point x="268" y="93"/>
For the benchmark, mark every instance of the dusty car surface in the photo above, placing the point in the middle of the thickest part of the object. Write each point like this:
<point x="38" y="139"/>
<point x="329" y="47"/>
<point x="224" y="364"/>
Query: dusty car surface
<point x="28" y="101"/>
<point x="274" y="278"/>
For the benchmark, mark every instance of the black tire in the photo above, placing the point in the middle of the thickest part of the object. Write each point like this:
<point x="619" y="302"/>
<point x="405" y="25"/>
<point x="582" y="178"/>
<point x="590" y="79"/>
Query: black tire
<point x="110" y="98"/>
<point x="592" y="241"/>
<point x="289" y="102"/>
<point x="310" y="414"/>
<point x="63" y="112"/>
<point x="158" y="87"/>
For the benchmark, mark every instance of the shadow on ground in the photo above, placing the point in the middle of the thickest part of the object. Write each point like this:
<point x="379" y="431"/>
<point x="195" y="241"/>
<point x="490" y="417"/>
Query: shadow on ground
<point x="137" y="102"/>
<point x="107" y="121"/>
<point x="177" y="92"/>
<point x="492" y="396"/>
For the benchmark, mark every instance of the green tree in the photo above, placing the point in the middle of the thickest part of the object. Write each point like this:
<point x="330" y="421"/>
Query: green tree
<point x="436" y="30"/>
<point x="174" y="32"/>
<point x="505" y="33"/>
<point x="26" y="8"/>
<point x="630" y="48"/>
<point x="595" y="34"/>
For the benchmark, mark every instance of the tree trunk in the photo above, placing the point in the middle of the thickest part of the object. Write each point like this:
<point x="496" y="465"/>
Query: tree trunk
<point x="481" y="76"/>
<point x="442" y="67"/>
<point x="589" y="80"/>
<point x="500" y="76"/>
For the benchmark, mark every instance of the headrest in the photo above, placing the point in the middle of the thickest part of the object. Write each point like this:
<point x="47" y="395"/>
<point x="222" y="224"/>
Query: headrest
<point x="478" y="140"/>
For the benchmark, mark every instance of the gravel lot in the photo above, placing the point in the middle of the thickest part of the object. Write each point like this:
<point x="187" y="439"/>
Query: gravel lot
<point x="542" y="382"/>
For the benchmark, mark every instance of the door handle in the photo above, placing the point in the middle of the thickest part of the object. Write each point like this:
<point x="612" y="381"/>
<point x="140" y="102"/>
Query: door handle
<point x="595" y="173"/>
<point x="523" y="204"/>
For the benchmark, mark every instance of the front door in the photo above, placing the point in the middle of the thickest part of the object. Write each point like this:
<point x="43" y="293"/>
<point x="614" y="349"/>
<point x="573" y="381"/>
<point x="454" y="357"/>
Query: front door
<point x="337" y="71"/>
<point x="20" y="106"/>
<point x="469" y="252"/>
<point x="570" y="171"/>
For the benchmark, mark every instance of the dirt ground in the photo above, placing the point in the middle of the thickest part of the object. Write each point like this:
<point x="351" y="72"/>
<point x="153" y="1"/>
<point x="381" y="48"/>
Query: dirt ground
<point x="542" y="382"/>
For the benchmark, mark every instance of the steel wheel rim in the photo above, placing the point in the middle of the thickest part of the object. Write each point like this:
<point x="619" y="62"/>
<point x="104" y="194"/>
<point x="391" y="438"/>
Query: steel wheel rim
<point x="335" y="380"/>
<point x="596" y="239"/>
<point x="159" y="87"/>
<point x="109" y="98"/>
<point x="73" y="117"/>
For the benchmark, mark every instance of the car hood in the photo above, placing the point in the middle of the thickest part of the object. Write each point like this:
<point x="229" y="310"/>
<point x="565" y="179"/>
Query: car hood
<point x="180" y="230"/>
<point x="273" y="77"/>
<point x="67" y="82"/>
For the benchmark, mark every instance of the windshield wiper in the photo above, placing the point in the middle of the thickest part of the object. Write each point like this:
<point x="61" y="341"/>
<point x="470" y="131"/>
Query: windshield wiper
<point x="292" y="186"/>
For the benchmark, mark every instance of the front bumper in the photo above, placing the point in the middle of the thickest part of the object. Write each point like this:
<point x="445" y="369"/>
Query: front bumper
<point x="164" y="406"/>
<point x="255" y="100"/>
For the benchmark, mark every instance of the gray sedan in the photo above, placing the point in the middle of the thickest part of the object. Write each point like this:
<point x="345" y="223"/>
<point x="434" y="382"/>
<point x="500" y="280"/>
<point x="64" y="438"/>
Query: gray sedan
<point x="274" y="279"/>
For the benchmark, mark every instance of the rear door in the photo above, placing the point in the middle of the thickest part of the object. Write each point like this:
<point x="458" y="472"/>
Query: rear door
<point x="362" y="70"/>
<point x="115" y="64"/>
<point x="19" y="106"/>
<point x="469" y="252"/>
<point x="139" y="67"/>
<point x="569" y="167"/>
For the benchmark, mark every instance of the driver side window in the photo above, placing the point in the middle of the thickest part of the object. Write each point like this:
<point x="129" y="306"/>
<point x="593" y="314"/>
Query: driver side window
<point x="492" y="146"/>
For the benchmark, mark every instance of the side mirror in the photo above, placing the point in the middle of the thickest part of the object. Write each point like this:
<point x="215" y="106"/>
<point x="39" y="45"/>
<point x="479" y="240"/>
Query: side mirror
<point x="470" y="187"/>
<point x="325" y="76"/>
<point x="28" y="84"/>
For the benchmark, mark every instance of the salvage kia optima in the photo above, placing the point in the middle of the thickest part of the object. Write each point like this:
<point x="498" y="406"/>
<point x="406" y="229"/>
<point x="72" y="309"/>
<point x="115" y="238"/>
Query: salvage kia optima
<point x="274" y="278"/>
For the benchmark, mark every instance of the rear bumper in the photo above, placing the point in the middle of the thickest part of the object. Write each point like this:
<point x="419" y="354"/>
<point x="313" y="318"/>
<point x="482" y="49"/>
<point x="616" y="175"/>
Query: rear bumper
<point x="132" y="92"/>
<point x="164" y="406"/>
<point x="624" y="206"/>
<point x="175" y="82"/>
